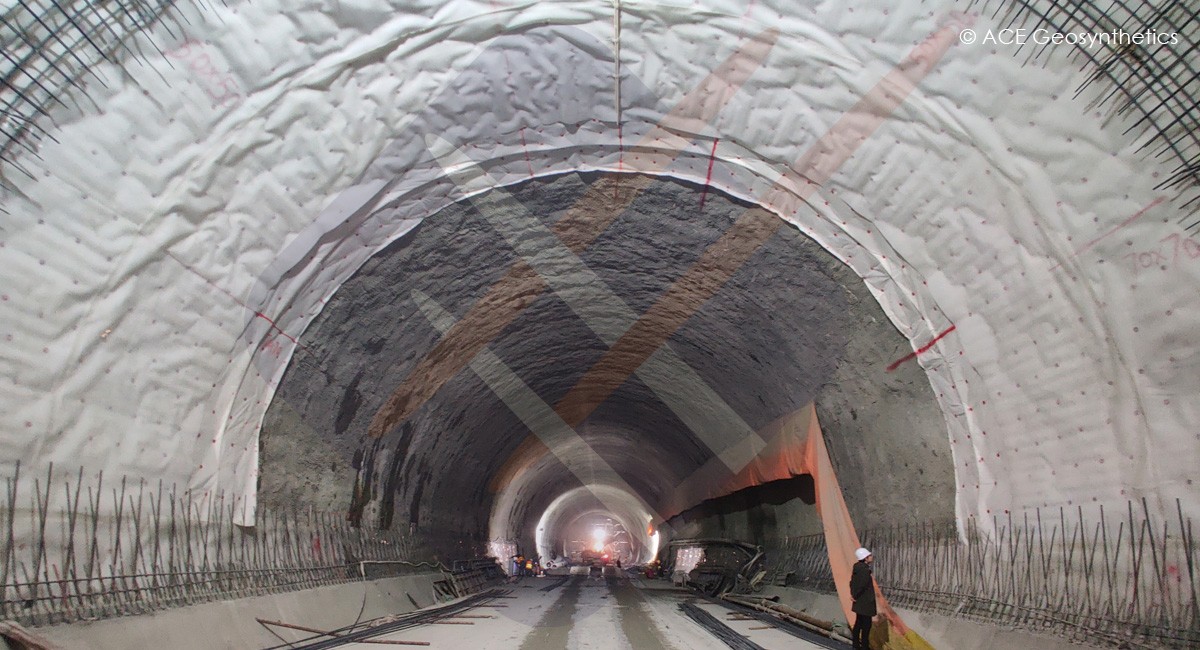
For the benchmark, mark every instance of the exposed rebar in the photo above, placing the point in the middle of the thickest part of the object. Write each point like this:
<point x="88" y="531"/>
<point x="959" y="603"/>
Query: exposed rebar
<point x="1085" y="577"/>
<point x="72" y="550"/>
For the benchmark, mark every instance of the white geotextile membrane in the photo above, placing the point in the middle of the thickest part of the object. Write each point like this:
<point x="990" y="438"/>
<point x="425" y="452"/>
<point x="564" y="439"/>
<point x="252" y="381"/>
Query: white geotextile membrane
<point x="199" y="212"/>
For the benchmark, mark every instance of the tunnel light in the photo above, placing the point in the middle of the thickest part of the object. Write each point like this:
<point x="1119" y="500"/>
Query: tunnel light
<point x="599" y="535"/>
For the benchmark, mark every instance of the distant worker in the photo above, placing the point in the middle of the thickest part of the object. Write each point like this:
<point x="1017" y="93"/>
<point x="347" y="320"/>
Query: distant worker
<point x="862" y="592"/>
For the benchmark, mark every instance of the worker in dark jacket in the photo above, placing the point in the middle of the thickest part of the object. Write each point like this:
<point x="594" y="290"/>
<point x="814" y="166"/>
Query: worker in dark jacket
<point x="862" y="592"/>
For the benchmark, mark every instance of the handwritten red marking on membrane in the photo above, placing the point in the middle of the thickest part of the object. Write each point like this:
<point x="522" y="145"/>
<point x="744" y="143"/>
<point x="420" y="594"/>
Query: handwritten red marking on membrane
<point x="712" y="157"/>
<point x="913" y="355"/>
<point x="257" y="314"/>
<point x="1115" y="228"/>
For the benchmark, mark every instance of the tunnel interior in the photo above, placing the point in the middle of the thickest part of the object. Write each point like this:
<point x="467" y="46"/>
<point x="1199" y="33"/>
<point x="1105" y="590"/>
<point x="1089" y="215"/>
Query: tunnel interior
<point x="593" y="531"/>
<point x="357" y="289"/>
<point x="791" y="327"/>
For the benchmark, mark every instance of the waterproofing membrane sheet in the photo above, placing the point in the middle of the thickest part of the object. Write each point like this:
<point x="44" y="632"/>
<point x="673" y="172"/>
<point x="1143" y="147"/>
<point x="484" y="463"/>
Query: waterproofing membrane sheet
<point x="194" y="215"/>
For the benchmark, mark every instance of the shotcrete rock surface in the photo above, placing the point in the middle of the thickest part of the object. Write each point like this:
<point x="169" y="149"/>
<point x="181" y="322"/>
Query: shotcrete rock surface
<point x="790" y="326"/>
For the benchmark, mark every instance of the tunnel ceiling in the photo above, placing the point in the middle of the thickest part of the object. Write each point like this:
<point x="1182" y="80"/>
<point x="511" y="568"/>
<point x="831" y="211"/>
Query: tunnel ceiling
<point x="766" y="343"/>
<point x="226" y="227"/>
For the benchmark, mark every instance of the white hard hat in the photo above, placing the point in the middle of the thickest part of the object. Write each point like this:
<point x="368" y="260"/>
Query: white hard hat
<point x="861" y="554"/>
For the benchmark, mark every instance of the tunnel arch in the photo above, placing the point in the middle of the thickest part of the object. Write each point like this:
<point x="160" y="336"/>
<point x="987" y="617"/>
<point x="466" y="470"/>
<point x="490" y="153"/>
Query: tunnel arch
<point x="792" y="291"/>
<point x="175" y="261"/>
<point x="573" y="505"/>
<point x="909" y="295"/>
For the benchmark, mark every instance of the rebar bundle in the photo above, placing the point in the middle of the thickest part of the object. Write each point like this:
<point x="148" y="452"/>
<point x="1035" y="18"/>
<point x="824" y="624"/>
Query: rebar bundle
<point x="366" y="631"/>
<point x="717" y="628"/>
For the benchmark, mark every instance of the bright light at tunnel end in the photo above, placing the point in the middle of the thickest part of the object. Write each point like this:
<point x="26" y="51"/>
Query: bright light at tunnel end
<point x="599" y="536"/>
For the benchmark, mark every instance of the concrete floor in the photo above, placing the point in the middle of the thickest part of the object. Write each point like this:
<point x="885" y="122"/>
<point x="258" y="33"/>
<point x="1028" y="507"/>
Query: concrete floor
<point x="589" y="613"/>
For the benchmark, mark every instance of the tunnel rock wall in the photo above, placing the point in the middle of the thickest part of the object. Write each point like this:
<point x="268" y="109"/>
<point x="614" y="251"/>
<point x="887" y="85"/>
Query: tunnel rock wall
<point x="771" y="338"/>
<point x="885" y="438"/>
<point x="883" y="430"/>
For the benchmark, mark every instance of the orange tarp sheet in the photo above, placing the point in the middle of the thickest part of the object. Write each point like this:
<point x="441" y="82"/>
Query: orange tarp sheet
<point x="795" y="446"/>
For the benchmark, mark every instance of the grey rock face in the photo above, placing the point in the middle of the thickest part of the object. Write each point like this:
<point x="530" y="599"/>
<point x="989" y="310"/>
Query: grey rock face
<point x="790" y="326"/>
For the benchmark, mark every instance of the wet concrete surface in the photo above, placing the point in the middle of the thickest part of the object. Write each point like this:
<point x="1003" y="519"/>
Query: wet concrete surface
<point x="637" y="626"/>
<point x="580" y="612"/>
<point x="554" y="629"/>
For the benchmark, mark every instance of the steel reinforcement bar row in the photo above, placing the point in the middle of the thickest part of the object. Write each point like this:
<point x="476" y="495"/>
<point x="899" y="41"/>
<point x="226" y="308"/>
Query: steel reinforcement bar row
<point x="363" y="631"/>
